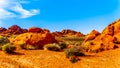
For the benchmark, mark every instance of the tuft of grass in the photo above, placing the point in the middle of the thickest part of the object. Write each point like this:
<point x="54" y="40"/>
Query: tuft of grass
<point x="71" y="40"/>
<point x="28" y="47"/>
<point x="32" y="47"/>
<point x="73" y="52"/>
<point x="3" y="40"/>
<point x="63" y="45"/>
<point x="9" y="48"/>
<point x="53" y="47"/>
<point x="73" y="59"/>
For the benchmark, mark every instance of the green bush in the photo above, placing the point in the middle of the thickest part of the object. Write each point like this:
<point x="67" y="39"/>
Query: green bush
<point x="9" y="48"/>
<point x="32" y="47"/>
<point x="62" y="45"/>
<point x="22" y="45"/>
<point x="28" y="47"/>
<point x="3" y="40"/>
<point x="53" y="47"/>
<point x="73" y="52"/>
<point x="73" y="59"/>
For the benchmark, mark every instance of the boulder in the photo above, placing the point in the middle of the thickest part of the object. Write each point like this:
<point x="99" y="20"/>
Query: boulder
<point x="92" y="35"/>
<point x="34" y="39"/>
<point x="35" y="30"/>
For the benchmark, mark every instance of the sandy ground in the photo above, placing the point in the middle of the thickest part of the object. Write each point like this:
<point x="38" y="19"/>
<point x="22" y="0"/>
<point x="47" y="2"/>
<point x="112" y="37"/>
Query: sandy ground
<point x="49" y="59"/>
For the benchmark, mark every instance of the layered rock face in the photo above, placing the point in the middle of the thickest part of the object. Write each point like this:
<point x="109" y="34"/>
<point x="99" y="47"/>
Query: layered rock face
<point x="67" y="33"/>
<point x="35" y="37"/>
<point x="108" y="39"/>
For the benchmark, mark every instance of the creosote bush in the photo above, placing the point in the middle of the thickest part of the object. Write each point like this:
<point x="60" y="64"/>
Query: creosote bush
<point x="52" y="47"/>
<point x="74" y="59"/>
<point x="73" y="52"/>
<point x="28" y="47"/>
<point x="3" y="40"/>
<point x="32" y="47"/>
<point x="62" y="45"/>
<point x="9" y="48"/>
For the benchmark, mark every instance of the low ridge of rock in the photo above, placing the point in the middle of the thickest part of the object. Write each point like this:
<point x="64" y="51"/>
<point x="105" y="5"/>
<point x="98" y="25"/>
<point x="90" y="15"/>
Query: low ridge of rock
<point x="67" y="33"/>
<point x="15" y="29"/>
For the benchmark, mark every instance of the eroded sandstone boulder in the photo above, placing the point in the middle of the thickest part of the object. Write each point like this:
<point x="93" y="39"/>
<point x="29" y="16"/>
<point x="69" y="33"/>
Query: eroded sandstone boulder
<point x="92" y="35"/>
<point x="34" y="39"/>
<point x="35" y="30"/>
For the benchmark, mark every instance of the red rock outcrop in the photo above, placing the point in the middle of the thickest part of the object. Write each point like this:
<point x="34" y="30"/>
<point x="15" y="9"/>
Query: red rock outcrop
<point x="13" y="30"/>
<point x="92" y="35"/>
<point x="34" y="37"/>
<point x="46" y="30"/>
<point x="2" y="30"/>
<point x="58" y="34"/>
<point x="35" y="30"/>
<point x="108" y="39"/>
<point x="67" y="33"/>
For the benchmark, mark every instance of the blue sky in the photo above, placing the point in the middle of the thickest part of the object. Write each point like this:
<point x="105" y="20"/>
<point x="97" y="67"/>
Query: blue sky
<point x="79" y="15"/>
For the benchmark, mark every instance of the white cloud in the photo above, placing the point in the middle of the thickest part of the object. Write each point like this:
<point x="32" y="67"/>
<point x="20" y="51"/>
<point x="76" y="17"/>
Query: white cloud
<point x="14" y="9"/>
<point x="5" y="14"/>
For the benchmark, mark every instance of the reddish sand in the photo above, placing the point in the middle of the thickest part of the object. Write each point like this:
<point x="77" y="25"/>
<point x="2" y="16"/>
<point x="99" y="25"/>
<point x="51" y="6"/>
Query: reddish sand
<point x="49" y="59"/>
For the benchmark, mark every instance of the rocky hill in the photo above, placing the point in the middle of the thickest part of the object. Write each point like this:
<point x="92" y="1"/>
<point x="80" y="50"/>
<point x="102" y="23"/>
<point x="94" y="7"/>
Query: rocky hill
<point x="15" y="29"/>
<point x="108" y="39"/>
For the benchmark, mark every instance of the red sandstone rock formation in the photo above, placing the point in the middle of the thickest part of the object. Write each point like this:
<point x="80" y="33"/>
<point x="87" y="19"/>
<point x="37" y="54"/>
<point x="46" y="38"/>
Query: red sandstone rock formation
<point x="35" y="37"/>
<point x="67" y="33"/>
<point x="2" y="30"/>
<point x="13" y="30"/>
<point x="108" y="39"/>
<point x="92" y="35"/>
<point x="35" y="30"/>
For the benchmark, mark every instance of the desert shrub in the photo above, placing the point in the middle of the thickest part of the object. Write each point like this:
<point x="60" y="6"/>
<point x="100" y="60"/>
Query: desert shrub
<point x="28" y="47"/>
<point x="3" y="40"/>
<point x="32" y="47"/>
<point x="9" y="48"/>
<point x="73" y="38"/>
<point x="53" y="47"/>
<point x="87" y="45"/>
<point x="62" y="45"/>
<point x="73" y="59"/>
<point x="73" y="52"/>
<point x="22" y="45"/>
